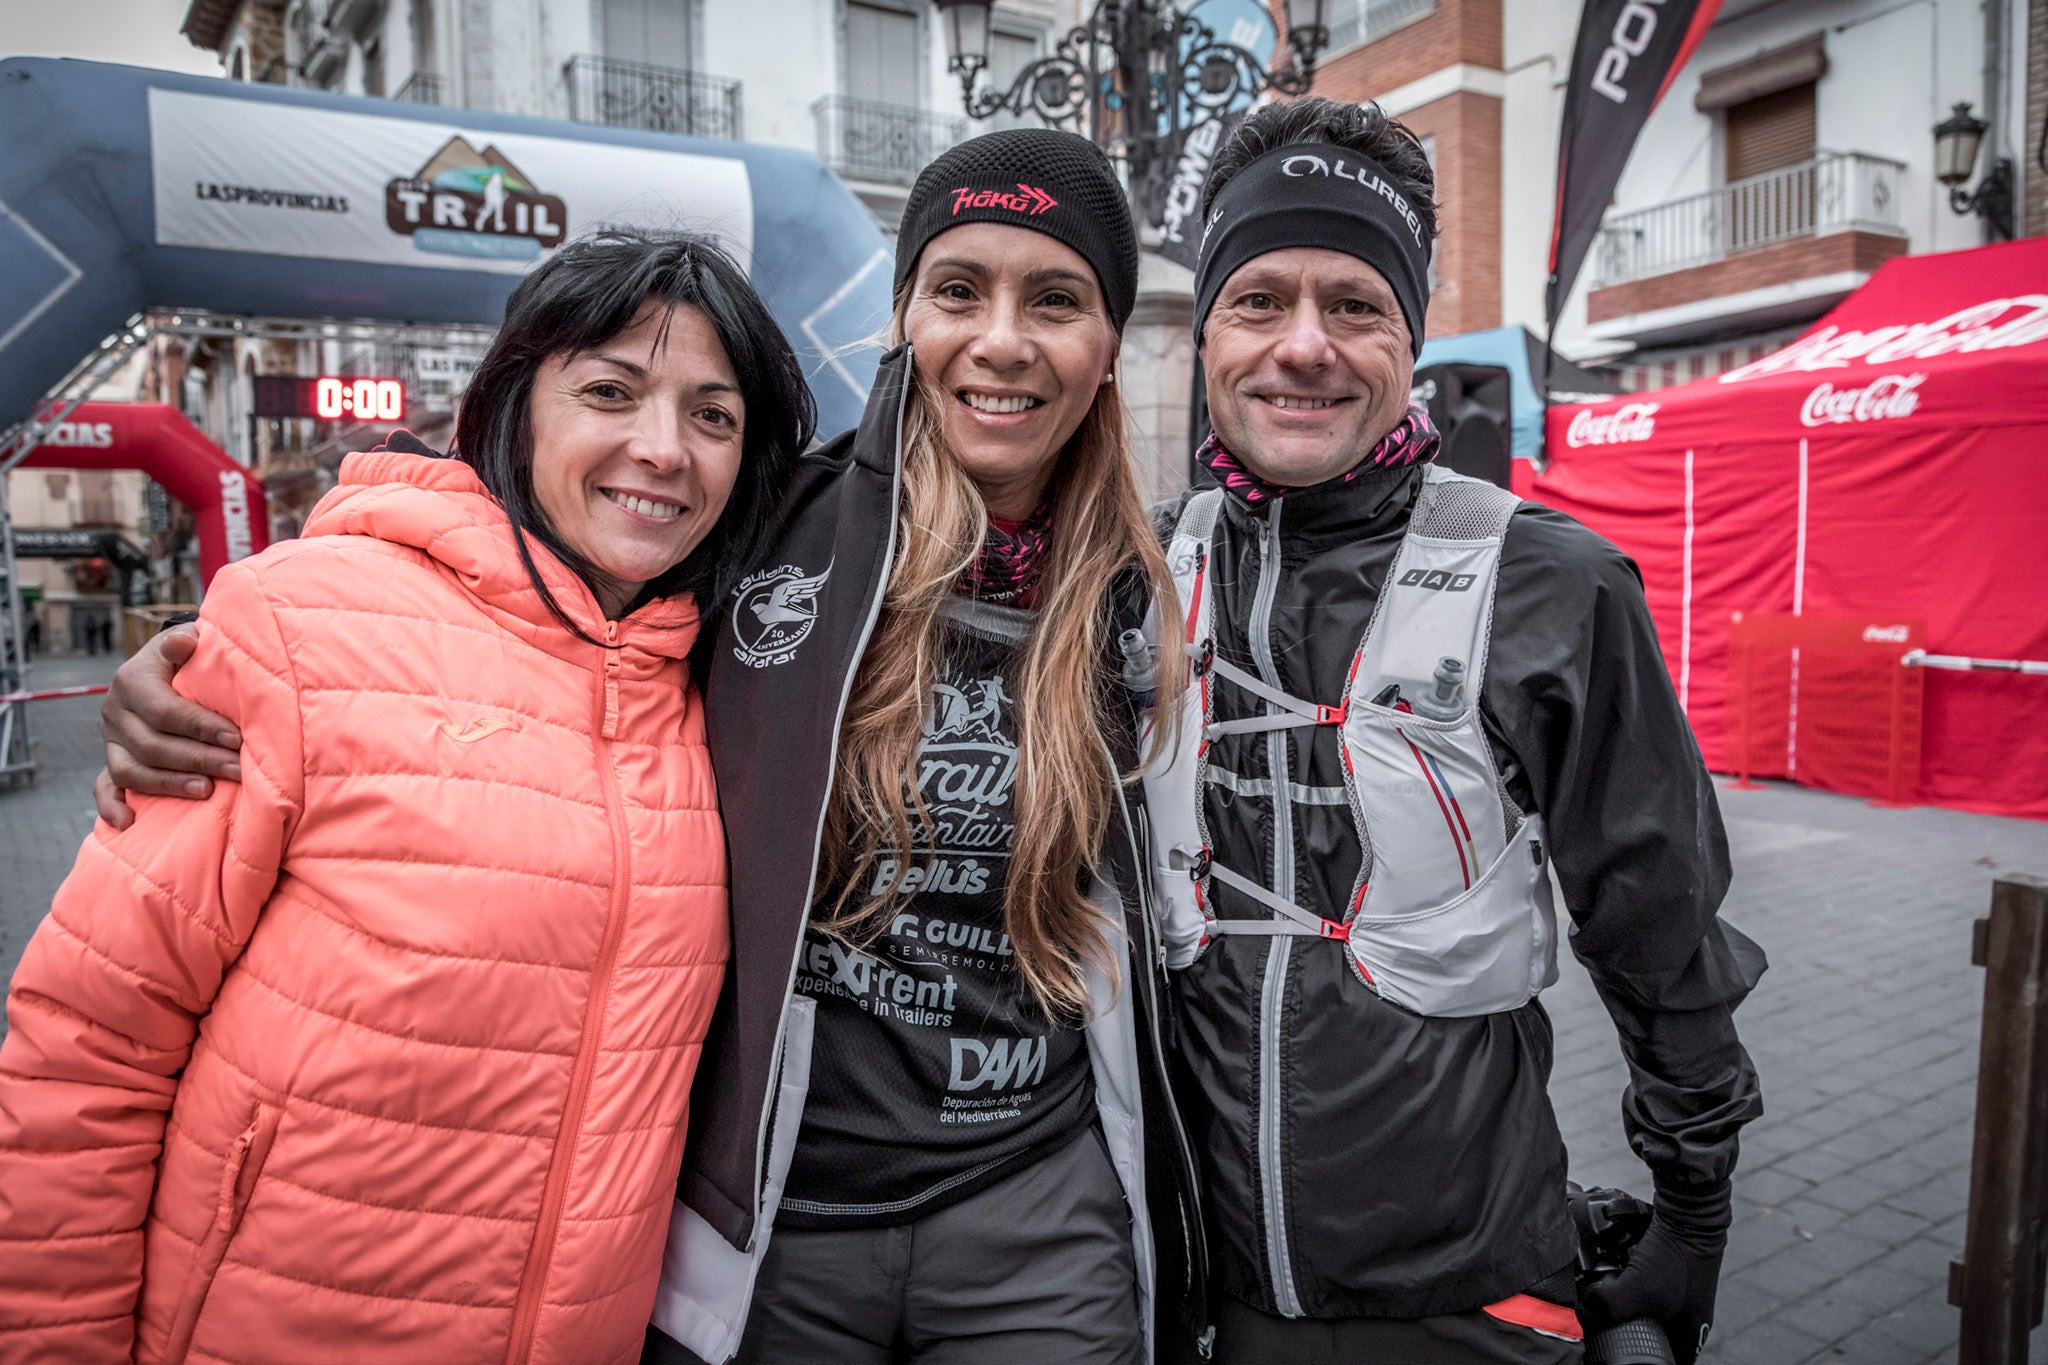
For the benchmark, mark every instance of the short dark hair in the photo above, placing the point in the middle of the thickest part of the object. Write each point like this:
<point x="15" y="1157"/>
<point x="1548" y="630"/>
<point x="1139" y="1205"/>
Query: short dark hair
<point x="1363" y="128"/>
<point x="588" y="292"/>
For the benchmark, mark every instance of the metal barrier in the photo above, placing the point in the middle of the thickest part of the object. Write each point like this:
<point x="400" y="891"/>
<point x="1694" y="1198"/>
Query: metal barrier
<point x="17" y="758"/>
<point x="1998" y="1281"/>
<point x="1960" y="663"/>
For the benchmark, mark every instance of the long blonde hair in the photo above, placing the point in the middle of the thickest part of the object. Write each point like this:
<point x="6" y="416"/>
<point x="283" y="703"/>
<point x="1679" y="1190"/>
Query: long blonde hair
<point x="1064" y="792"/>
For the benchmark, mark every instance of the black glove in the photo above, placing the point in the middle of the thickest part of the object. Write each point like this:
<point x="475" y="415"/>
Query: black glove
<point x="1674" y="1271"/>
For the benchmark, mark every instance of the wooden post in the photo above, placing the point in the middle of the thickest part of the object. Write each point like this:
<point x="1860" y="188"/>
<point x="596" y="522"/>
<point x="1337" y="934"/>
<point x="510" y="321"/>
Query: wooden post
<point x="1998" y="1281"/>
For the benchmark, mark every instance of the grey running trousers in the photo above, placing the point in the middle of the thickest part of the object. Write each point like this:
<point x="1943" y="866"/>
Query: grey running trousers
<point x="1037" y="1269"/>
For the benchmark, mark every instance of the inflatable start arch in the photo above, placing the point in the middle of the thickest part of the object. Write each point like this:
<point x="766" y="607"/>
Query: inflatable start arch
<point x="226" y="500"/>
<point x="124" y="189"/>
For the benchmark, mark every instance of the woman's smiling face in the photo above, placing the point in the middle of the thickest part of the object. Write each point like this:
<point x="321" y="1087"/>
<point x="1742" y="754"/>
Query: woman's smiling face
<point x="636" y="446"/>
<point x="1011" y="333"/>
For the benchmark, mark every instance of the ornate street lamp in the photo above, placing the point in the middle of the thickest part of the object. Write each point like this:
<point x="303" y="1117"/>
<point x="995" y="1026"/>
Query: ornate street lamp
<point x="1136" y="77"/>
<point x="1956" y="139"/>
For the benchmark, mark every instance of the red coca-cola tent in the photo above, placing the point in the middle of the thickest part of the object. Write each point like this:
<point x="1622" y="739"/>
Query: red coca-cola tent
<point x="1890" y="465"/>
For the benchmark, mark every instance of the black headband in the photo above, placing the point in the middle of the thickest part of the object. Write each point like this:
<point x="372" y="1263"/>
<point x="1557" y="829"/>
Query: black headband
<point x="1314" y="194"/>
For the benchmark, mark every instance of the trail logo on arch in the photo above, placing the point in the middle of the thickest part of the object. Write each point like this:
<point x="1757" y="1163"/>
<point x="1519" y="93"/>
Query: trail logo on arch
<point x="773" y="612"/>
<point x="465" y="202"/>
<point x="414" y="189"/>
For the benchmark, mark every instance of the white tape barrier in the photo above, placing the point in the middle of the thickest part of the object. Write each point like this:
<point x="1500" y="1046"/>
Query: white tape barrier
<point x="1920" y="658"/>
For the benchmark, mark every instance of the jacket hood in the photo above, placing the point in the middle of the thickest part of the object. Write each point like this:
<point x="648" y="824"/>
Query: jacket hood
<point x="440" y="508"/>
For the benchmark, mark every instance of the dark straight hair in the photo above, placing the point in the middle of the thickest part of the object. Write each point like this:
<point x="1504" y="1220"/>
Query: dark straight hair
<point x="584" y="295"/>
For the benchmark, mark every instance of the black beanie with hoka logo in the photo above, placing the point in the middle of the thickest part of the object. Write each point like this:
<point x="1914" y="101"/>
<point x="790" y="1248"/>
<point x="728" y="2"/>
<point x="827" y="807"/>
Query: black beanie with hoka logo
<point x="1060" y="184"/>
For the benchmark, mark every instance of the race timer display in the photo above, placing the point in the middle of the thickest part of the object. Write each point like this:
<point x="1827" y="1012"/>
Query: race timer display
<point x="331" y="398"/>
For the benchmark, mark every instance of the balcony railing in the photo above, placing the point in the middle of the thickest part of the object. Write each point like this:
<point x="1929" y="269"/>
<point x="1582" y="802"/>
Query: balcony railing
<point x="654" y="99"/>
<point x="890" y="143"/>
<point x="421" y="87"/>
<point x="1832" y="193"/>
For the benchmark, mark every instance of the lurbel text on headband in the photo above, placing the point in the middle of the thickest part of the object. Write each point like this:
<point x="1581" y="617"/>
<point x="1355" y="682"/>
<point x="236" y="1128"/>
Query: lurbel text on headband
<point x="1317" y="195"/>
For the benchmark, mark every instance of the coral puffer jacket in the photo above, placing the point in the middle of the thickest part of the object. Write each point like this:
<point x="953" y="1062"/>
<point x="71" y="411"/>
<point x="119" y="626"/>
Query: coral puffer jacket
<point x="384" y="1052"/>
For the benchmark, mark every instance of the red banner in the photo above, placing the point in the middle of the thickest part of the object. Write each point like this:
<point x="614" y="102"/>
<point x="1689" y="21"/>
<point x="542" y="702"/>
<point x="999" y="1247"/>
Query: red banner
<point x="1626" y="54"/>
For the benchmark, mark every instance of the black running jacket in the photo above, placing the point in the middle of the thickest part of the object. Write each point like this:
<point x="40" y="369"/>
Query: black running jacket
<point x="1402" y="1166"/>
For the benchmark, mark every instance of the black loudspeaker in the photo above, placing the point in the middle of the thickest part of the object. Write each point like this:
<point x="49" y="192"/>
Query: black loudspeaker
<point x="1468" y="406"/>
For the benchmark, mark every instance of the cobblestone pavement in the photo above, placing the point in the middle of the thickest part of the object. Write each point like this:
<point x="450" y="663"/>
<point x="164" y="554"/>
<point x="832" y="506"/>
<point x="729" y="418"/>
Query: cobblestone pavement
<point x="1852" y="1188"/>
<point x="1850" y="1195"/>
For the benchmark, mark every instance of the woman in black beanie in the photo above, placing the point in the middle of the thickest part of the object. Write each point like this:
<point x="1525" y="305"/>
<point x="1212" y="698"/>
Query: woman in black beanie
<point x="969" y="1175"/>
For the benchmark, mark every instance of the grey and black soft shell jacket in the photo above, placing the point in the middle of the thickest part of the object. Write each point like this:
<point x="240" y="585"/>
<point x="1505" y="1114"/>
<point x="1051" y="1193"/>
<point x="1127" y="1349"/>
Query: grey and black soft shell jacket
<point x="1413" y="1165"/>
<point x="773" y="725"/>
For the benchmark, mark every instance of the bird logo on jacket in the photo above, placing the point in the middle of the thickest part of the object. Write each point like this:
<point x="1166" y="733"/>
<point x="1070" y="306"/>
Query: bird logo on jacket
<point x="773" y="612"/>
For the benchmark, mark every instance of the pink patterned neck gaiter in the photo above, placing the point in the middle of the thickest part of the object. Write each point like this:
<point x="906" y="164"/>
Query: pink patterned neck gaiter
<point x="1412" y="439"/>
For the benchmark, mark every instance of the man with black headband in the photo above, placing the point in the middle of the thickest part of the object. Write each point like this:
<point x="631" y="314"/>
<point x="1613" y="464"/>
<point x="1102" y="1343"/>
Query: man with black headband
<point x="1412" y="697"/>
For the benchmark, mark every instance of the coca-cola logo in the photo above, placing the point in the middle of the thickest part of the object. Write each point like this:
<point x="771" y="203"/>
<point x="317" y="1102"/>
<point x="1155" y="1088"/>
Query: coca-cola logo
<point x="1885" y="635"/>
<point x="1995" y="325"/>
<point x="1629" y="422"/>
<point x="1895" y="395"/>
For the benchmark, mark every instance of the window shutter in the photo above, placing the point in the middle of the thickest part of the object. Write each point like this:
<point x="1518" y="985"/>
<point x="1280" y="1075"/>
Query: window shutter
<point x="882" y="54"/>
<point x="1770" y="132"/>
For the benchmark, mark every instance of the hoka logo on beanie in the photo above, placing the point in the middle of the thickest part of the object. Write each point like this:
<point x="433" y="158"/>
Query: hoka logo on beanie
<point x="1030" y="202"/>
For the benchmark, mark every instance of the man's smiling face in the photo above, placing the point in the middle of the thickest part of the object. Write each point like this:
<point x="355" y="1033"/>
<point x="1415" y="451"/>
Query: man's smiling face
<point x="1308" y="362"/>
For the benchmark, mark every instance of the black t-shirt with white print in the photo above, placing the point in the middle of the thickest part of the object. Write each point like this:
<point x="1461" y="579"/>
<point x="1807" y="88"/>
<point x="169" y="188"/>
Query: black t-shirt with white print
<point x="933" y="1071"/>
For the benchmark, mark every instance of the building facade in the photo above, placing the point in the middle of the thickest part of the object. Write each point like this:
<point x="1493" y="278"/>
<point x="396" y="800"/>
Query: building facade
<point x="1791" y="157"/>
<point x="861" y="83"/>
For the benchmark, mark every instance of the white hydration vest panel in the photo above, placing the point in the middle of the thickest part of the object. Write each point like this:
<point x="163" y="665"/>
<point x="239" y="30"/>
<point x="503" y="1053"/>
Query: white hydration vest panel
<point x="1452" y="914"/>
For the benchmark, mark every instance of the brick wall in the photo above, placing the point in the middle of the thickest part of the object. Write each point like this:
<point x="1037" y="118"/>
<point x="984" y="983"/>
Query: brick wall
<point x="1466" y="129"/>
<point x="1459" y="31"/>
<point x="1779" y="263"/>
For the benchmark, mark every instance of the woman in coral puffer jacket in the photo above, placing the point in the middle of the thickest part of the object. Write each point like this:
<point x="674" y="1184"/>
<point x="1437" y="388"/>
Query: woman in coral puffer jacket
<point x="384" y="1051"/>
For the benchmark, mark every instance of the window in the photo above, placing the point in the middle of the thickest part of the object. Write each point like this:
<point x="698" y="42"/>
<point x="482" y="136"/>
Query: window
<point x="1770" y="132"/>
<point x="1362" y="21"/>
<point x="1008" y="55"/>
<point x="882" y="53"/>
<point x="653" y="31"/>
<point x="96" y="497"/>
<point x="1769" y="150"/>
<point x="422" y="24"/>
<point x="373" y="68"/>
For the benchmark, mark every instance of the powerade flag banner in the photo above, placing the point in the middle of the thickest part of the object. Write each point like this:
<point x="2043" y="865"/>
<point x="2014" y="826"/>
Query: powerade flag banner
<point x="1180" y="208"/>
<point x="1627" y="53"/>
